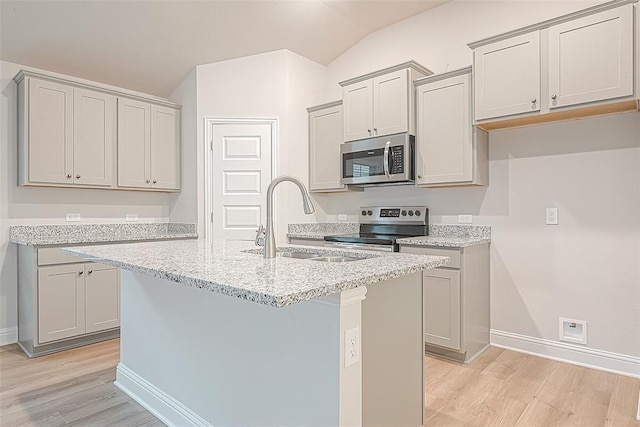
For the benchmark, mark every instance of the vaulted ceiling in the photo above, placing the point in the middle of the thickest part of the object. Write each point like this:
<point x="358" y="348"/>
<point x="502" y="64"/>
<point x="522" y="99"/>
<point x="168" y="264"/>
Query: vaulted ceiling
<point x="150" y="46"/>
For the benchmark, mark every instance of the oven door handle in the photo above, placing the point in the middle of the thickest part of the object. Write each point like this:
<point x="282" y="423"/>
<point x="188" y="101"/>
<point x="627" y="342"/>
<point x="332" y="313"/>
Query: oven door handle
<point x="376" y="248"/>
<point x="387" y="147"/>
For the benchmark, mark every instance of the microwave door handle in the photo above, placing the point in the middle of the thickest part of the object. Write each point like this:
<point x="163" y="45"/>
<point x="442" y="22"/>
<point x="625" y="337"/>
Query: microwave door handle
<point x="386" y="158"/>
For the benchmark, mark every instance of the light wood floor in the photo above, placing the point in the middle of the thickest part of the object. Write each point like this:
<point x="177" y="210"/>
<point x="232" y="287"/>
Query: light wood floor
<point x="501" y="388"/>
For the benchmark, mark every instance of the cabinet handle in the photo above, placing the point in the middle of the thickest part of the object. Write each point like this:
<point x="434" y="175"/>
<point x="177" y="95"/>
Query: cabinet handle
<point x="148" y="181"/>
<point x="77" y="176"/>
<point x="80" y="273"/>
<point x="554" y="97"/>
<point x="154" y="181"/>
<point x="534" y="100"/>
<point x="375" y="130"/>
<point x="90" y="271"/>
<point x="69" y="175"/>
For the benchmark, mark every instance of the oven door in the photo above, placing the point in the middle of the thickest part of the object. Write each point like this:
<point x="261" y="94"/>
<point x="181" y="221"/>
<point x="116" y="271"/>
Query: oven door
<point x="378" y="160"/>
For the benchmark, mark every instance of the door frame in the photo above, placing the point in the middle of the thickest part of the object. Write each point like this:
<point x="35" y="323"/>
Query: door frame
<point x="209" y="123"/>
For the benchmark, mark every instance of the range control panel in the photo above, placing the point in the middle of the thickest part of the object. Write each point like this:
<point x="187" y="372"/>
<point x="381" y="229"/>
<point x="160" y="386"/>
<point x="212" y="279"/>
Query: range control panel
<point x="393" y="215"/>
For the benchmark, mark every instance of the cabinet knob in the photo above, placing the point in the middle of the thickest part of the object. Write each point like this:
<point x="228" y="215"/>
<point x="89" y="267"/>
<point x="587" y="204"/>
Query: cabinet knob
<point x="154" y="181"/>
<point x="375" y="130"/>
<point x="148" y="181"/>
<point x="419" y="176"/>
<point x="78" y="176"/>
<point x="69" y="175"/>
<point x="369" y="130"/>
<point x="554" y="97"/>
<point x="534" y="100"/>
<point x="90" y="271"/>
<point x="80" y="273"/>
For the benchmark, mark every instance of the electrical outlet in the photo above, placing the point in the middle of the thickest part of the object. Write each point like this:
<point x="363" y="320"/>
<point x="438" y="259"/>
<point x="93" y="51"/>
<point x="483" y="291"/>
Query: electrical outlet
<point x="72" y="217"/>
<point x="351" y="347"/>
<point x="342" y="217"/>
<point x="465" y="219"/>
<point x="551" y="216"/>
<point x="131" y="217"/>
<point x="572" y="330"/>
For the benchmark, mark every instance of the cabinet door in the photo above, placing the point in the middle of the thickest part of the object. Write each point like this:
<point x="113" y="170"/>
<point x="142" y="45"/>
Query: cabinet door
<point x="391" y="103"/>
<point x="94" y="133"/>
<point x="591" y="58"/>
<point x="441" y="290"/>
<point x="507" y="77"/>
<point x="50" y="132"/>
<point x="165" y="148"/>
<point x="325" y="137"/>
<point x="102" y="290"/>
<point x="444" y="140"/>
<point x="357" y="102"/>
<point x="134" y="143"/>
<point x="60" y="302"/>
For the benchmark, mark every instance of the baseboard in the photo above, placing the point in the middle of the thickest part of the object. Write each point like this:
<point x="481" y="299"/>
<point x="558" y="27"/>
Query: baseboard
<point x="8" y="336"/>
<point x="638" y="416"/>
<point x="160" y="404"/>
<point x="569" y="353"/>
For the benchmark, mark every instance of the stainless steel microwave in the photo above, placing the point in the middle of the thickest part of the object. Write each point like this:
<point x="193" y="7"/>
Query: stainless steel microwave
<point x="381" y="160"/>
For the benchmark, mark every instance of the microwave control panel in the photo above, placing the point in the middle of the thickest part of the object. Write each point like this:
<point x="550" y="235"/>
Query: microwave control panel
<point x="397" y="159"/>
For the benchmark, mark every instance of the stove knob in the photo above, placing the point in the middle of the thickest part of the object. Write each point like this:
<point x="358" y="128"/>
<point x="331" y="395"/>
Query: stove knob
<point x="410" y="213"/>
<point x="369" y="213"/>
<point x="404" y="213"/>
<point x="418" y="213"/>
<point x="363" y="213"/>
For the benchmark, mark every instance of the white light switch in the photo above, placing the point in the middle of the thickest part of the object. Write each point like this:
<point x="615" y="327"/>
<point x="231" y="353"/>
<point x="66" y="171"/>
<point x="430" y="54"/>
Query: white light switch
<point x="551" y="216"/>
<point x="72" y="217"/>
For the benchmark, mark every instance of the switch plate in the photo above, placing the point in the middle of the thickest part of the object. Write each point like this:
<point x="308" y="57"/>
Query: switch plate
<point x="72" y="217"/>
<point x="551" y="216"/>
<point x="351" y="347"/>
<point x="465" y="219"/>
<point x="342" y="217"/>
<point x="131" y="217"/>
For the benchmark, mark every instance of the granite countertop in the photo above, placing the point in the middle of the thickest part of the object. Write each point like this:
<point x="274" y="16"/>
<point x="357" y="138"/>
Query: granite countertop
<point x="237" y="268"/>
<point x="46" y="235"/>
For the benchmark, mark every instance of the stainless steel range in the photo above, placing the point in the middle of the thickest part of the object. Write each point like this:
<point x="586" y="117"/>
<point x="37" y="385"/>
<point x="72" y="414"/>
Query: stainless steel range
<point x="381" y="226"/>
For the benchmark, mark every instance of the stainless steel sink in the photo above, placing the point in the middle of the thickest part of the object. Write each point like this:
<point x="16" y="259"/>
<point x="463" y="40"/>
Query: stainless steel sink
<point x="334" y="259"/>
<point x="298" y="255"/>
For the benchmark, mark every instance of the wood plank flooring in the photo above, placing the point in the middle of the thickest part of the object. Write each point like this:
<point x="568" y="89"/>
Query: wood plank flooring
<point x="501" y="388"/>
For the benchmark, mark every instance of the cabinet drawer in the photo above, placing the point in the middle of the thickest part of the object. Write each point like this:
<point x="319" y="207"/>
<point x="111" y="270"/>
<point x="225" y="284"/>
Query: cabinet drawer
<point x="48" y="256"/>
<point x="453" y="254"/>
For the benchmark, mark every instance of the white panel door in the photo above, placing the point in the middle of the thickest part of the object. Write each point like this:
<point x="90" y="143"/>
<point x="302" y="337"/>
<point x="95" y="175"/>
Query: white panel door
<point x="325" y="137"/>
<point x="94" y="136"/>
<point x="165" y="148"/>
<point x="134" y="143"/>
<point x="357" y="102"/>
<point x="444" y="140"/>
<point x="391" y="103"/>
<point x="441" y="291"/>
<point x="102" y="297"/>
<point x="60" y="302"/>
<point x="507" y="77"/>
<point x="241" y="169"/>
<point x="591" y="58"/>
<point x="50" y="132"/>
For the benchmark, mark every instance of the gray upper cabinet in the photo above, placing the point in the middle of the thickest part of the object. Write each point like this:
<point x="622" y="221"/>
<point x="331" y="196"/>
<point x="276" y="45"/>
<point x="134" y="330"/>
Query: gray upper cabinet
<point x="380" y="103"/>
<point x="449" y="149"/>
<point x="71" y="134"/>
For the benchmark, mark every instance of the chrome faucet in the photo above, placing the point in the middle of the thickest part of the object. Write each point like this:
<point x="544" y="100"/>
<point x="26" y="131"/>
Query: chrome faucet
<point x="269" y="239"/>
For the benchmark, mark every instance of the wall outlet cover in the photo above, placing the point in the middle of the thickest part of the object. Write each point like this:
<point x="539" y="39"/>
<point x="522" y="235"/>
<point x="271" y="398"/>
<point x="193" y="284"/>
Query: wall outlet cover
<point x="73" y="217"/>
<point x="131" y="217"/>
<point x="551" y="216"/>
<point x="342" y="217"/>
<point x="465" y="219"/>
<point x="351" y="347"/>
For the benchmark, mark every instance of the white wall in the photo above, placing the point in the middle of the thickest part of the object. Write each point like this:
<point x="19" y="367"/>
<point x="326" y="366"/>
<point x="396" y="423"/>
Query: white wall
<point x="20" y="205"/>
<point x="587" y="267"/>
<point x="278" y="85"/>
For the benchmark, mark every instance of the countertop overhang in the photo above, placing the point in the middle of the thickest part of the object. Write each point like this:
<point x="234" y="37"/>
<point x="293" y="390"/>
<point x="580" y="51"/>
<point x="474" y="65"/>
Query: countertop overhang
<point x="226" y="267"/>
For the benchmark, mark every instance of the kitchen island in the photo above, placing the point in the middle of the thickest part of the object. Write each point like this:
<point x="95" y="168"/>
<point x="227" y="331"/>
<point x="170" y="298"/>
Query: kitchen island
<point x="214" y="334"/>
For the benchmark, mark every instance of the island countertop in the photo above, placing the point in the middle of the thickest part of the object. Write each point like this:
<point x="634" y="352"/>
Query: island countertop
<point x="238" y="269"/>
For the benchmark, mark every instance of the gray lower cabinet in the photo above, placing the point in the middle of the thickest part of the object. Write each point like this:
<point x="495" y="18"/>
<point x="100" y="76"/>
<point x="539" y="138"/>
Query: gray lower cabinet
<point x="456" y="302"/>
<point x="63" y="303"/>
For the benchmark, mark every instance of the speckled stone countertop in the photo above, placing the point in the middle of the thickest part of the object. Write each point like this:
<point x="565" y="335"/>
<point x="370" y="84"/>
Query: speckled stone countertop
<point x="317" y="230"/>
<point x="451" y="235"/>
<point x="43" y="235"/>
<point x="230" y="268"/>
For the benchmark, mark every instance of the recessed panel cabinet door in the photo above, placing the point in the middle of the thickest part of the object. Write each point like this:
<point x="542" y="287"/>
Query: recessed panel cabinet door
<point x="102" y="290"/>
<point x="134" y="143"/>
<point x="325" y="137"/>
<point x="444" y="152"/>
<point x="507" y="77"/>
<point x="591" y="58"/>
<point x="165" y="148"/>
<point x="391" y="103"/>
<point x="441" y="290"/>
<point x="50" y="137"/>
<point x="94" y="133"/>
<point x="60" y="302"/>
<point x="357" y="101"/>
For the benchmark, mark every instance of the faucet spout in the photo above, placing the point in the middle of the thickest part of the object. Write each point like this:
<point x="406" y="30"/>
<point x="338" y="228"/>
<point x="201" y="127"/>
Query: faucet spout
<point x="307" y="205"/>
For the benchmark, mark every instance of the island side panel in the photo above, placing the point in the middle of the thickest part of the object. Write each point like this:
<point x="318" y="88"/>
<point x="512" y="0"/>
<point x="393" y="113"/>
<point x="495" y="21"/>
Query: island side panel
<point x="229" y="361"/>
<point x="392" y="353"/>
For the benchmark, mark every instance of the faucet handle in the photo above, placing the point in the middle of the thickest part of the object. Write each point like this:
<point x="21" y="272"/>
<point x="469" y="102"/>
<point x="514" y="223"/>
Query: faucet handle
<point x="260" y="236"/>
